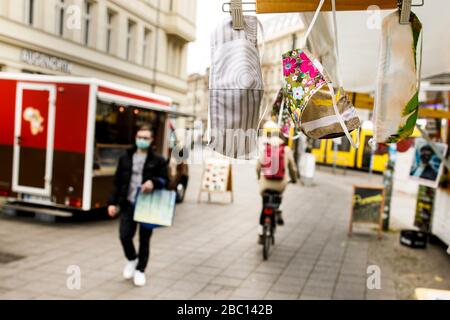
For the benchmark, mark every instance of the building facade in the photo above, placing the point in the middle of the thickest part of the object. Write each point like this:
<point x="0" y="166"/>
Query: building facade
<point x="138" y="43"/>
<point x="198" y="97"/>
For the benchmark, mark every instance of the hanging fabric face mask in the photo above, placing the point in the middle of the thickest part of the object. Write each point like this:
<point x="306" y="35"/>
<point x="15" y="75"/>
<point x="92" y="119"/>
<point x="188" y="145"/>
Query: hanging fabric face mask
<point x="398" y="83"/>
<point x="320" y="122"/>
<point x="235" y="89"/>
<point x="281" y="115"/>
<point x="321" y="117"/>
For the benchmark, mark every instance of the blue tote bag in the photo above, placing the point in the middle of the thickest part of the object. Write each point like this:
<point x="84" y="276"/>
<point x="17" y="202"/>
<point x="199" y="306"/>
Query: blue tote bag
<point x="155" y="209"/>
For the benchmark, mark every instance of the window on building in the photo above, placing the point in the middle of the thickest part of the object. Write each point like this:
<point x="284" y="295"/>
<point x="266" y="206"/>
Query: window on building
<point x="110" y="30"/>
<point x="115" y="130"/>
<point x="29" y="11"/>
<point x="130" y="40"/>
<point x="174" y="52"/>
<point x="87" y="21"/>
<point x="146" y="47"/>
<point x="60" y="12"/>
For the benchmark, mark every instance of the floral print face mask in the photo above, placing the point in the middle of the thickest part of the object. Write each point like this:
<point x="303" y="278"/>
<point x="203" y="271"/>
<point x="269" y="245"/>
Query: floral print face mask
<point x="303" y="78"/>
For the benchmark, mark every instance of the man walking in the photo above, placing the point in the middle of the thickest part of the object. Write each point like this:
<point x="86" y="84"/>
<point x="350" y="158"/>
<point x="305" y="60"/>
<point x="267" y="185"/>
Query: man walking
<point x="140" y="167"/>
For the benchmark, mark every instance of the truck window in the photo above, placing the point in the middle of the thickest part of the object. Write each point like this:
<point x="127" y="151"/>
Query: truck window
<point x="115" y="131"/>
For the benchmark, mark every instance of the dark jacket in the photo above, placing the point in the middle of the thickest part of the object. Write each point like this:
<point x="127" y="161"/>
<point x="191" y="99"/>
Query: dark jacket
<point x="155" y="169"/>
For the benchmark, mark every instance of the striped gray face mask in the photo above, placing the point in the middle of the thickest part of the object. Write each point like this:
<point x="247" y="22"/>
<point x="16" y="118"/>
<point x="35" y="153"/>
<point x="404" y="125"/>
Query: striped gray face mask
<point x="235" y="89"/>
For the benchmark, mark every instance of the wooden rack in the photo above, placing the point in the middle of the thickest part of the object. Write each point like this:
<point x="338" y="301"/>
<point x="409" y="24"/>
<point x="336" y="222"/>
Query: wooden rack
<point x="284" y="6"/>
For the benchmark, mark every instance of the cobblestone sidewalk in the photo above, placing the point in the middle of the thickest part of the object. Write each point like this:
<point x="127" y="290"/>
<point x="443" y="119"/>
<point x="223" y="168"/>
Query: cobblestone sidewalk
<point x="210" y="253"/>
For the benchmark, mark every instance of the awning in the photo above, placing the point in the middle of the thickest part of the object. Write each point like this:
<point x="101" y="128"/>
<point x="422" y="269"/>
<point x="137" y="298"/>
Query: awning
<point x="130" y="102"/>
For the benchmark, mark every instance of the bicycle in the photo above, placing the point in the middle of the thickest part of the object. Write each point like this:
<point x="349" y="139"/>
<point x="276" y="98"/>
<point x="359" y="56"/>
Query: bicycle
<point x="270" y="212"/>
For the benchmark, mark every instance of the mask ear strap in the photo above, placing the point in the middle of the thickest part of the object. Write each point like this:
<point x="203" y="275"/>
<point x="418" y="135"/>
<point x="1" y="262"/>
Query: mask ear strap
<point x="336" y="45"/>
<point x="261" y="58"/>
<point x="263" y="43"/>
<point x="341" y="120"/>
<point x="340" y="83"/>
<point x="280" y="118"/>
<point x="280" y="113"/>
<point x="313" y="21"/>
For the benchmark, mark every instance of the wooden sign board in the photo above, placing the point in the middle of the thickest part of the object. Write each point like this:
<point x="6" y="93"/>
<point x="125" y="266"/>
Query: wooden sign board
<point x="216" y="178"/>
<point x="367" y="206"/>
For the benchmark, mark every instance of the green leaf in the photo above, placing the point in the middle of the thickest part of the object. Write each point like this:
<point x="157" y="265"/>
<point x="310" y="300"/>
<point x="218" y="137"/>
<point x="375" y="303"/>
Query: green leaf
<point x="412" y="105"/>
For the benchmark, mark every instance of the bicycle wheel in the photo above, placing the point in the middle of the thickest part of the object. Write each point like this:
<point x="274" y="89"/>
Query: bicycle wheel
<point x="267" y="240"/>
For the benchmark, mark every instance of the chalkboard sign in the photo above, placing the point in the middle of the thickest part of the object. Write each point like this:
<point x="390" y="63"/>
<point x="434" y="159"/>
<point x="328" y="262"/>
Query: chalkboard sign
<point x="367" y="206"/>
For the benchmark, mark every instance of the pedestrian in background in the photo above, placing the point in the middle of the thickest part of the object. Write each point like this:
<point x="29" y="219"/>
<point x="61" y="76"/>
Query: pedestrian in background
<point x="274" y="167"/>
<point x="140" y="167"/>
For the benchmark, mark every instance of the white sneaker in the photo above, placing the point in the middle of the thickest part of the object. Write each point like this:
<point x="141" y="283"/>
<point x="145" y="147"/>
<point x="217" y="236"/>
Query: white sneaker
<point x="139" y="278"/>
<point x="129" y="270"/>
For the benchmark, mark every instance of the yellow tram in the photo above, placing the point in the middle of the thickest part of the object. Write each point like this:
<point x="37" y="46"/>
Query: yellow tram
<point x="347" y="156"/>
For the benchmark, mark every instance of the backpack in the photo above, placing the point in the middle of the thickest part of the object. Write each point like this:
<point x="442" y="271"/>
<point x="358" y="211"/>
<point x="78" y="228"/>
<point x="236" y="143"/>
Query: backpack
<point x="273" y="166"/>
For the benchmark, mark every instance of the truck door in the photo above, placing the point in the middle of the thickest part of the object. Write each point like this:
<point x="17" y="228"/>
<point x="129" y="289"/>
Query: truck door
<point x="34" y="136"/>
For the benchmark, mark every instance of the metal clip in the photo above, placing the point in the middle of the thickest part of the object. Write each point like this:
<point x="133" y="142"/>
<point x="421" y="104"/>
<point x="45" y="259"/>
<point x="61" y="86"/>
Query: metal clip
<point x="245" y="7"/>
<point x="237" y="15"/>
<point x="405" y="10"/>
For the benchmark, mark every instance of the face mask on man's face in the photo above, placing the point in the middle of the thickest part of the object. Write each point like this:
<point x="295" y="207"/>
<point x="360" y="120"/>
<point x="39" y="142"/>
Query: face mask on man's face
<point x="142" y="144"/>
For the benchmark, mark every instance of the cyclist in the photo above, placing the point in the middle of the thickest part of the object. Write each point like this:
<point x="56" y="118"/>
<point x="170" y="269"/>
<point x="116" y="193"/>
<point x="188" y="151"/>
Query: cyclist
<point x="271" y="166"/>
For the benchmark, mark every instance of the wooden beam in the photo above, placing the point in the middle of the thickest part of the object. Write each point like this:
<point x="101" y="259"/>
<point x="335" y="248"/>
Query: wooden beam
<point x="430" y="113"/>
<point x="283" y="6"/>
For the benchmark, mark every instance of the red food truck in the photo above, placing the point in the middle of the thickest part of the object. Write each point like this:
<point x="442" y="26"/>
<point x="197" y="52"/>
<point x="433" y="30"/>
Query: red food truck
<point x="61" y="137"/>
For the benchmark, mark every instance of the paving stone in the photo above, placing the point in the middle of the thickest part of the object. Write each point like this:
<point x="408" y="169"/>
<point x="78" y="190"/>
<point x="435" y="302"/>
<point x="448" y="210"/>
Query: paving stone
<point x="208" y="270"/>
<point x="198" y="277"/>
<point x="249" y="293"/>
<point x="274" y="295"/>
<point x="18" y="295"/>
<point x="187" y="285"/>
<point x="380" y="295"/>
<point x="176" y="295"/>
<point x="12" y="283"/>
<point x="286" y="288"/>
<point x="346" y="294"/>
<point x="318" y="291"/>
<point x="236" y="273"/>
<point x="98" y="294"/>
<point x="311" y="297"/>
<point x="226" y="281"/>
